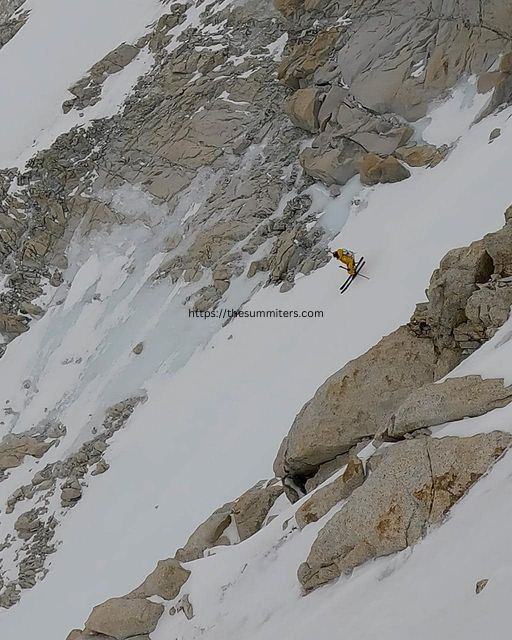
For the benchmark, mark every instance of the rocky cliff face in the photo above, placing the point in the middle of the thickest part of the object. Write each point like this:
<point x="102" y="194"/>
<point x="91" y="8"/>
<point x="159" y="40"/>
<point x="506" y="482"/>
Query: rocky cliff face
<point x="248" y="111"/>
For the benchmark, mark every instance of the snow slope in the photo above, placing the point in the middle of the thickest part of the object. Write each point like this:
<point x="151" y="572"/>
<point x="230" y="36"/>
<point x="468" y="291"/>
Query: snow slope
<point x="221" y="399"/>
<point x="251" y="590"/>
<point x="61" y="40"/>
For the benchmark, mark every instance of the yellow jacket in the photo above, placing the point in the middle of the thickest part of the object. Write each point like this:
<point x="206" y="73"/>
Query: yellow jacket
<point x="347" y="258"/>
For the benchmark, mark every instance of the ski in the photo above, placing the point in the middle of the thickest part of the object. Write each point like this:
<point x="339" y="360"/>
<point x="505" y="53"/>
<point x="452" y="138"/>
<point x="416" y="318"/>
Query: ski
<point x="360" y="264"/>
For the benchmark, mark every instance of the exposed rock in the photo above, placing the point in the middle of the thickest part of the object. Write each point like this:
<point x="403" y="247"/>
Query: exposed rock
<point x="114" y="61"/>
<point x="452" y="399"/>
<point x="36" y="247"/>
<point x="501" y="81"/>
<point x="325" y="498"/>
<point x="251" y="509"/>
<point x="9" y="596"/>
<point x="138" y="348"/>
<point x="413" y="486"/>
<point x="356" y="402"/>
<point x="206" y="534"/>
<point x="71" y="492"/>
<point x="495" y="133"/>
<point x="27" y="524"/>
<point x="451" y="286"/>
<point x="87" y="91"/>
<point x="382" y="143"/>
<point x="498" y="246"/>
<point x="303" y="107"/>
<point x="14" y="449"/>
<point x="486" y="311"/>
<point x="184" y="605"/>
<point x="374" y="169"/>
<point x="333" y="166"/>
<point x="480" y="585"/>
<point x="124" y="618"/>
<point x="12" y="325"/>
<point x="78" y="634"/>
<point x="421" y="155"/>
<point x="325" y="471"/>
<point x="306" y="58"/>
<point x="488" y="80"/>
<point x="10" y="28"/>
<point x="165" y="581"/>
<point x="101" y="467"/>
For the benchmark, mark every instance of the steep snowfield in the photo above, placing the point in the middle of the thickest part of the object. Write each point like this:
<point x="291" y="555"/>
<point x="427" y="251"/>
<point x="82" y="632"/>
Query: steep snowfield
<point x="59" y="43"/>
<point x="221" y="399"/>
<point x="251" y="590"/>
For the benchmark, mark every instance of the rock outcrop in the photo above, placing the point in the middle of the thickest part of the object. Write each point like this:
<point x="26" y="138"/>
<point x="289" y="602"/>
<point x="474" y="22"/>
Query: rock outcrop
<point x="375" y="169"/>
<point x="297" y="68"/>
<point x="87" y="91"/>
<point x="332" y="164"/>
<point x="14" y="449"/>
<point x="325" y="498"/>
<point x="206" y="535"/>
<point x="303" y="107"/>
<point x="165" y="581"/>
<point x="421" y="155"/>
<point x="469" y="296"/>
<point x="123" y="618"/>
<point x="251" y="509"/>
<point x="247" y="513"/>
<point x="415" y="483"/>
<point x="356" y="402"/>
<point x="452" y="399"/>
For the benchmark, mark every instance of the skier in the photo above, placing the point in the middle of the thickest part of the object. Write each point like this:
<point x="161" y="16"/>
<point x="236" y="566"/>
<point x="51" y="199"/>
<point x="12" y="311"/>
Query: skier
<point x="347" y="258"/>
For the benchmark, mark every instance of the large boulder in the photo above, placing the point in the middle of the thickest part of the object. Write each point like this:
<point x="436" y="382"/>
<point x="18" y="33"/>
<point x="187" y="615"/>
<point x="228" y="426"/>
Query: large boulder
<point x="415" y="483"/>
<point x="12" y="325"/>
<point x="356" y="402"/>
<point x="114" y="61"/>
<point x="206" y="535"/>
<point x="302" y="108"/>
<point x="325" y="498"/>
<point x="165" y="581"/>
<point x="332" y="165"/>
<point x="451" y="286"/>
<point x="489" y="308"/>
<point x="380" y="143"/>
<point x="123" y="618"/>
<point x="499" y="247"/>
<point x="326" y="470"/>
<point x="374" y="169"/>
<point x="421" y="155"/>
<point x="452" y="399"/>
<point x="251" y="509"/>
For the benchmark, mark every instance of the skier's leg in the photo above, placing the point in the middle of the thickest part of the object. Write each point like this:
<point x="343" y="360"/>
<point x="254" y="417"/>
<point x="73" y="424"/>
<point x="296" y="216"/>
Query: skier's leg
<point x="351" y="266"/>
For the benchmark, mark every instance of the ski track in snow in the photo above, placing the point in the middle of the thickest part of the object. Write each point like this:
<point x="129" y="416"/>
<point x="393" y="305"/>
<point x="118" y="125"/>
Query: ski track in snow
<point x="220" y="400"/>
